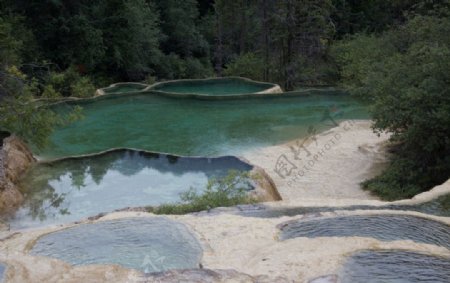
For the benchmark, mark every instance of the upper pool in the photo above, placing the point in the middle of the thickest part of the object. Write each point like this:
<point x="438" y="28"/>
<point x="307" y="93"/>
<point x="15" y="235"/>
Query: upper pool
<point x="214" y="87"/>
<point x="192" y="127"/>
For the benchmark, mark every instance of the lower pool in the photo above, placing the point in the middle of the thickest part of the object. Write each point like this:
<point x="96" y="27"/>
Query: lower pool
<point x="384" y="227"/>
<point x="147" y="244"/>
<point x="396" y="267"/>
<point x="76" y="188"/>
<point x="439" y="206"/>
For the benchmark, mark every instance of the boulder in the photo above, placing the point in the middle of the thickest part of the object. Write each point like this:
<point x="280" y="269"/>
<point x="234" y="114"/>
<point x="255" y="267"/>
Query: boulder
<point x="15" y="159"/>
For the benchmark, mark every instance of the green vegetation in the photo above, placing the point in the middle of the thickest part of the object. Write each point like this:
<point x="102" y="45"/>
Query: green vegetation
<point x="395" y="54"/>
<point x="247" y="65"/>
<point x="221" y="192"/>
<point x="404" y="73"/>
<point x="19" y="113"/>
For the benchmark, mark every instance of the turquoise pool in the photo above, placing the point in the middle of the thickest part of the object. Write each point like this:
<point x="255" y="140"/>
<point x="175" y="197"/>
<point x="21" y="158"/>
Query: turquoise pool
<point x="213" y="87"/>
<point x="192" y="127"/>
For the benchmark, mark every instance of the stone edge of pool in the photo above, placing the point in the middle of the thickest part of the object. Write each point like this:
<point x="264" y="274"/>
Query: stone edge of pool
<point x="270" y="88"/>
<point x="219" y="261"/>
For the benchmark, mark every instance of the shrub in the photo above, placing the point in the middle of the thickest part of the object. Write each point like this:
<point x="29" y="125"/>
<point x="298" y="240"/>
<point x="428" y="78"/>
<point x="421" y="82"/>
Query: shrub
<point x="220" y="192"/>
<point x="71" y="83"/>
<point x="247" y="65"/>
<point x="82" y="87"/>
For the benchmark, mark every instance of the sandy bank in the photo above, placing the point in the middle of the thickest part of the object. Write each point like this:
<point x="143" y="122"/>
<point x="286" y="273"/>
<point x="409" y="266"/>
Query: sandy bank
<point x="328" y="166"/>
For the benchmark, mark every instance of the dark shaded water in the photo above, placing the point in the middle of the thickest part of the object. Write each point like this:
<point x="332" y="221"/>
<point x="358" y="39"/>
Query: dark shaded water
<point x="395" y="267"/>
<point x="384" y="227"/>
<point x="147" y="244"/>
<point x="77" y="188"/>
<point x="439" y="207"/>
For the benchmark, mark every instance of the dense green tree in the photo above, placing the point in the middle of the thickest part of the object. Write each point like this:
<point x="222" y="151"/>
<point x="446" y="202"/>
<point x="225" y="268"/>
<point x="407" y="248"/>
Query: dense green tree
<point x="375" y="16"/>
<point x="236" y="30"/>
<point x="404" y="73"/>
<point x="179" y="25"/>
<point x="302" y="32"/>
<point x="19" y="112"/>
<point x="186" y="48"/>
<point x="247" y="65"/>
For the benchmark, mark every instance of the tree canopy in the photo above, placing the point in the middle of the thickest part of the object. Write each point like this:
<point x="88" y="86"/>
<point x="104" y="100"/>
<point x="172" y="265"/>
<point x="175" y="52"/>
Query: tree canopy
<point x="404" y="73"/>
<point x="394" y="54"/>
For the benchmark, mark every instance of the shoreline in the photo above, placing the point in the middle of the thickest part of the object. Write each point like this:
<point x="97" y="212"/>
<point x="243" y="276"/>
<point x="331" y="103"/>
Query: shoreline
<point x="328" y="166"/>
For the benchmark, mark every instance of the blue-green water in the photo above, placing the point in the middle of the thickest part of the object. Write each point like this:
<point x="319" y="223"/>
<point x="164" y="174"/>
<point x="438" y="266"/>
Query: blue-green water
<point x="395" y="266"/>
<point x="384" y="227"/>
<point x="147" y="244"/>
<point x="77" y="188"/>
<point x="193" y="127"/>
<point x="213" y="87"/>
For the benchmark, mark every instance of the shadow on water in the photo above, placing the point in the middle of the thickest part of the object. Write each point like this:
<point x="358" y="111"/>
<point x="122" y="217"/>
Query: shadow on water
<point x="384" y="227"/>
<point x="76" y="188"/>
<point x="396" y="267"/>
<point x="439" y="207"/>
<point x="147" y="244"/>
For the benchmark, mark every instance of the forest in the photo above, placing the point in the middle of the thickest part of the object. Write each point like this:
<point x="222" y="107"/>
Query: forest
<point x="393" y="54"/>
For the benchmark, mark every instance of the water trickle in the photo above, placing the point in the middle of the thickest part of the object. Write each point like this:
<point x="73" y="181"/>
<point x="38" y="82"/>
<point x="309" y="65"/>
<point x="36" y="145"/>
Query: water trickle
<point x="73" y="189"/>
<point x="125" y="88"/>
<point x="395" y="267"/>
<point x="147" y="244"/>
<point x="2" y="271"/>
<point x="384" y="227"/>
